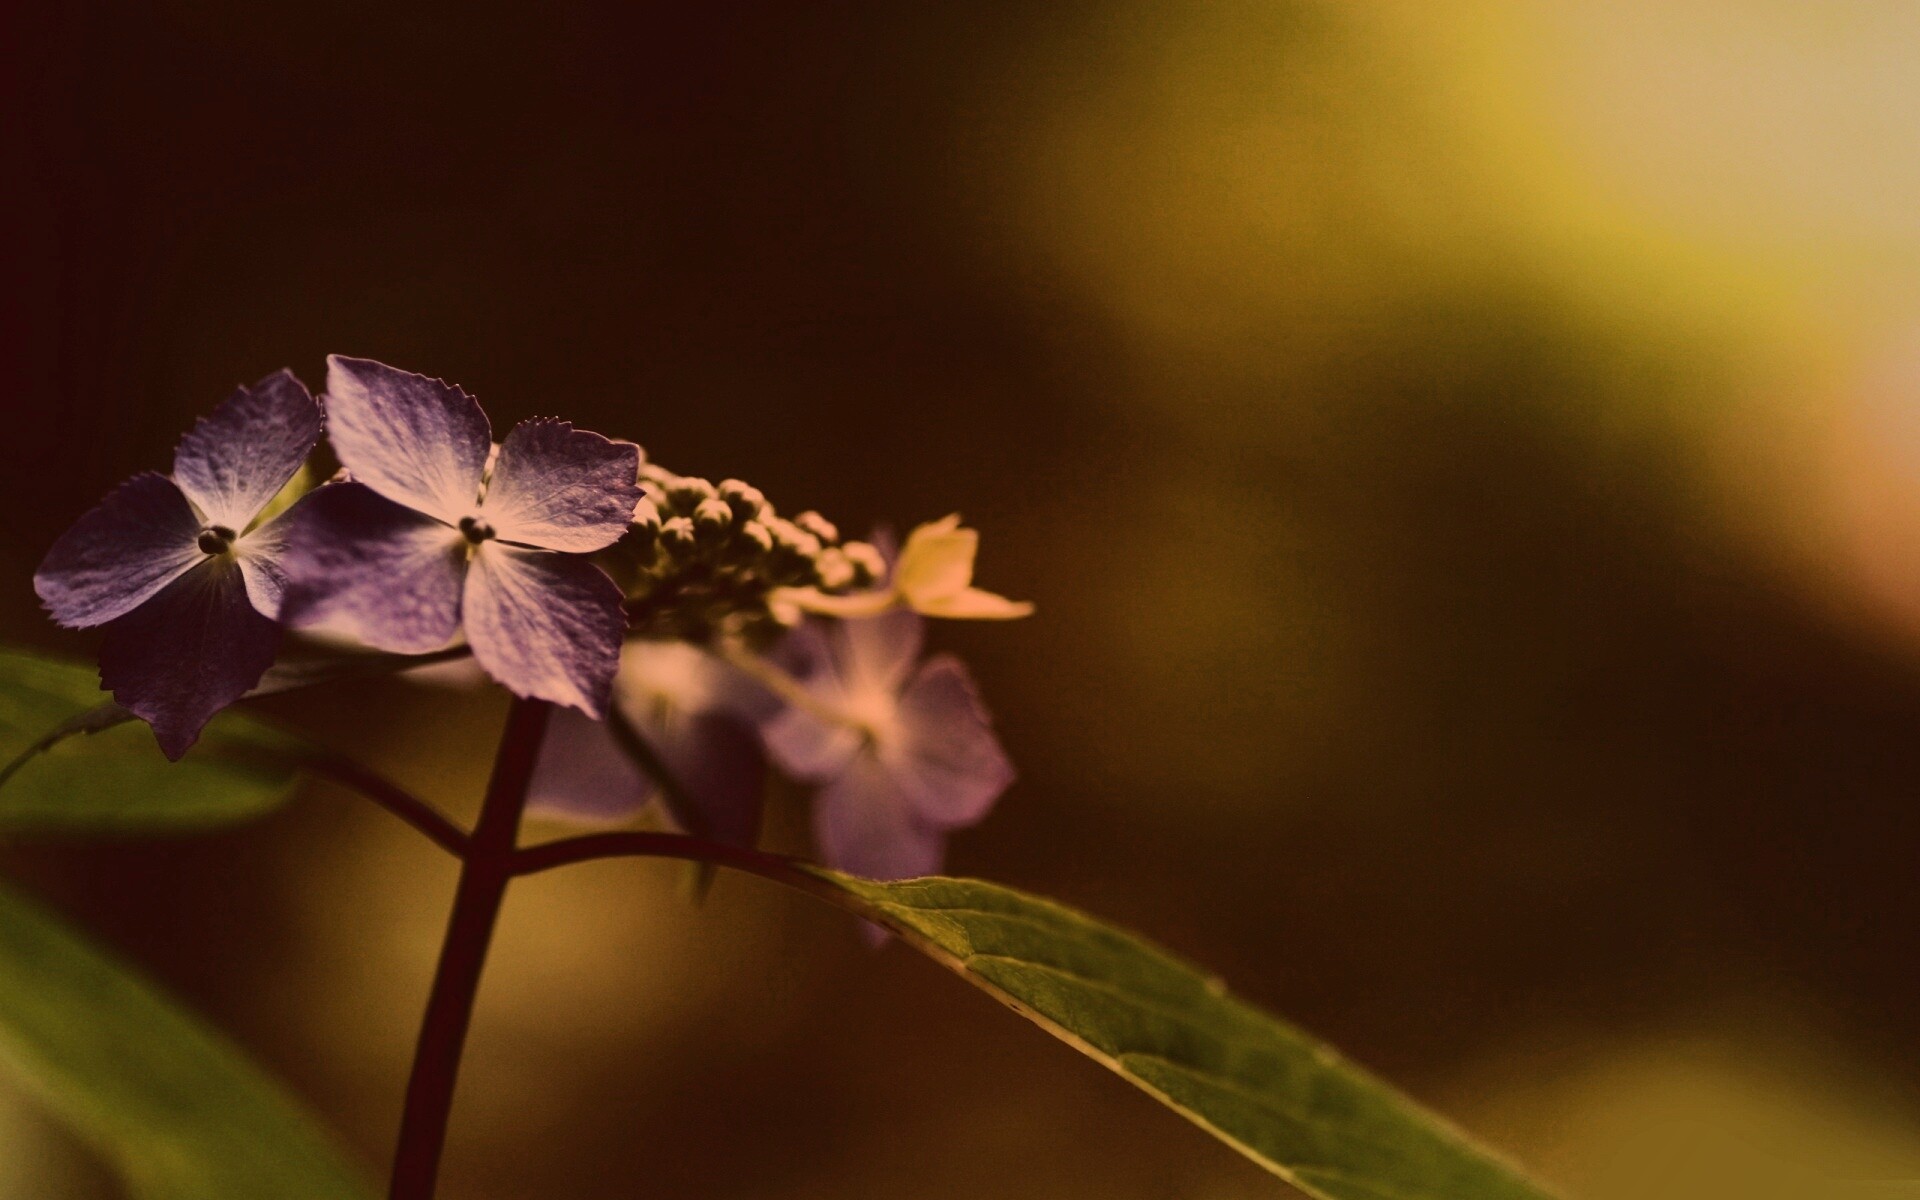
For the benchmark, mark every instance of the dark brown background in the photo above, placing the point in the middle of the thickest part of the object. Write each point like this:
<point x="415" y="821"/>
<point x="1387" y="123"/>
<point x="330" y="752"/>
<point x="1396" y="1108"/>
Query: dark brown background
<point x="1403" y="650"/>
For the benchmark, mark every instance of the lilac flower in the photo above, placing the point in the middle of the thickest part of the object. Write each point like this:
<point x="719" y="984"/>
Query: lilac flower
<point x="904" y="753"/>
<point x="176" y="569"/>
<point x="698" y="713"/>
<point x="429" y="537"/>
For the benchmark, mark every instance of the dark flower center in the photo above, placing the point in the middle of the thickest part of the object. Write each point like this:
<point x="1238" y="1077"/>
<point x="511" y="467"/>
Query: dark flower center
<point x="216" y="539"/>
<point x="475" y="530"/>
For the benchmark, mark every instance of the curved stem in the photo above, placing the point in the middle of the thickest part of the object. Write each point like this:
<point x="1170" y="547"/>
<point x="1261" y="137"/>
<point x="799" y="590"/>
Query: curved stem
<point x="779" y="868"/>
<point x="340" y="769"/>
<point x="487" y="867"/>
<point x="651" y="844"/>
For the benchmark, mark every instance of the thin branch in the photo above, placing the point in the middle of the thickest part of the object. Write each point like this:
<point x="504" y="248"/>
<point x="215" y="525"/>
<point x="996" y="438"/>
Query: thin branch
<point x="790" y="872"/>
<point x="640" y="843"/>
<point x="389" y="795"/>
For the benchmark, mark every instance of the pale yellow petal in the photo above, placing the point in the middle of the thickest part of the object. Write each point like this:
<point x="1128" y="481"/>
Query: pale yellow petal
<point x="973" y="604"/>
<point x="937" y="561"/>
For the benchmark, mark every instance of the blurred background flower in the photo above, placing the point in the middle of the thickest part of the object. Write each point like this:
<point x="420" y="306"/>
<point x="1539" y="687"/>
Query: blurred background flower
<point x="1464" y="457"/>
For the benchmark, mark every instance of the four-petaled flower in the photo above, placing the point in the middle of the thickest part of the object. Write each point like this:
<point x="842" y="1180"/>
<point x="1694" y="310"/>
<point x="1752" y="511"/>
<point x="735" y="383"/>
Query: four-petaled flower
<point x="698" y="713"/>
<point x="428" y="538"/>
<point x="176" y="568"/>
<point x="932" y="575"/>
<point x="904" y="754"/>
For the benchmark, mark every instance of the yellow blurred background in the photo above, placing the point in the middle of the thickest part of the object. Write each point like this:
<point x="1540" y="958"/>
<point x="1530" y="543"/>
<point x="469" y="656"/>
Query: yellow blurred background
<point x="1466" y="457"/>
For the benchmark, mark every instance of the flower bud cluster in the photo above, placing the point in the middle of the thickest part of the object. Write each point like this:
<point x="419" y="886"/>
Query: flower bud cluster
<point x="701" y="559"/>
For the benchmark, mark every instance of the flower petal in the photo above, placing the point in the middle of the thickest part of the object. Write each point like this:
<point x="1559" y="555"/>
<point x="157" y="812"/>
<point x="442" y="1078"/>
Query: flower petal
<point x="943" y="754"/>
<point x="973" y="604"/>
<point x="548" y="626"/>
<point x="363" y="565"/>
<point x="562" y="488"/>
<point x="936" y="561"/>
<point x="188" y="653"/>
<point x="235" y="458"/>
<point x="680" y="676"/>
<point x="864" y="825"/>
<point x="120" y="554"/>
<point x="806" y="747"/>
<point x="583" y="775"/>
<point x="418" y="441"/>
<point x="803" y="744"/>
<point x="703" y="739"/>
<point x="259" y="552"/>
<point x="719" y="763"/>
<point x="878" y="652"/>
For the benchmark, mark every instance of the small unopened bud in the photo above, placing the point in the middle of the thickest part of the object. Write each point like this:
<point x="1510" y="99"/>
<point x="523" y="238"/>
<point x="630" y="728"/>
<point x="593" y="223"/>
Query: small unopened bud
<point x="867" y="563"/>
<point x="686" y="493"/>
<point x="791" y="539"/>
<point x="711" y="519"/>
<point x="818" y="526"/>
<point x="754" y="539"/>
<point x="676" y="535"/>
<point x="646" y="517"/>
<point x="833" y="570"/>
<point x="794" y="550"/>
<point x="744" y="499"/>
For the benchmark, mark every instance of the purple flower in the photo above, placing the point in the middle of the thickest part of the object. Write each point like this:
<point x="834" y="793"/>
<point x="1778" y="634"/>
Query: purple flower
<point x="175" y="568"/>
<point x="698" y="713"/>
<point x="430" y="537"/>
<point x="904" y="754"/>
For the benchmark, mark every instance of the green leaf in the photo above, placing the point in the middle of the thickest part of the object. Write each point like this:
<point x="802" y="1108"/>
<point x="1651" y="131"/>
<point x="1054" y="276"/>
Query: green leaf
<point x="171" y="1104"/>
<point x="1281" y="1098"/>
<point x="77" y="764"/>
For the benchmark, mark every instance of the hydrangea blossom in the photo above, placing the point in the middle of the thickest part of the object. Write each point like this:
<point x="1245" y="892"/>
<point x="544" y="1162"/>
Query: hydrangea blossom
<point x="186" y="582"/>
<point x="932" y="576"/>
<point x="438" y="531"/>
<point x="698" y="713"/>
<point x="903" y="750"/>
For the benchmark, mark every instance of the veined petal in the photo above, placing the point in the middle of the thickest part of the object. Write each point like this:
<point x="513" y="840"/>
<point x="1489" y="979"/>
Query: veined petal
<point x="142" y="537"/>
<point x="943" y="753"/>
<point x="234" y="459"/>
<point x="973" y="604"/>
<point x="259" y="552"/>
<point x="546" y="625"/>
<point x="188" y="653"/>
<point x="363" y="565"/>
<point x="418" y="441"/>
<point x="562" y="488"/>
<point x="864" y="825"/>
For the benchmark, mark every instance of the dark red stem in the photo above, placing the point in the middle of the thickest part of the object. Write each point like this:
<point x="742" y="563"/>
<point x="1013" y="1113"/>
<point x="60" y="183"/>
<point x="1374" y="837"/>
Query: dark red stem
<point x="488" y="864"/>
